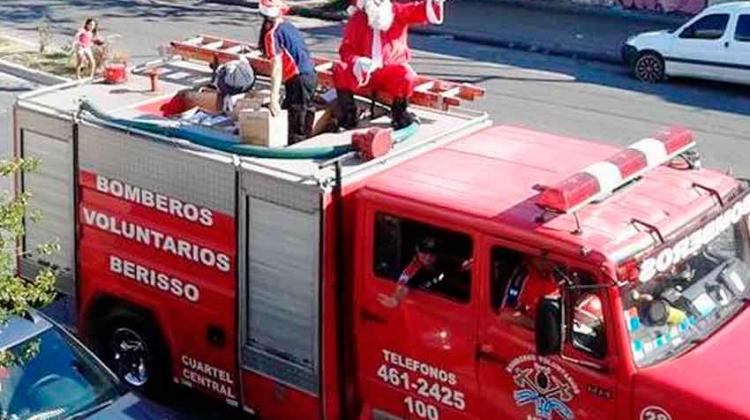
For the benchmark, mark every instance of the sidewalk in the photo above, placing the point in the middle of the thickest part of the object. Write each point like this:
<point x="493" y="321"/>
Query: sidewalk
<point x="544" y="26"/>
<point x="579" y="32"/>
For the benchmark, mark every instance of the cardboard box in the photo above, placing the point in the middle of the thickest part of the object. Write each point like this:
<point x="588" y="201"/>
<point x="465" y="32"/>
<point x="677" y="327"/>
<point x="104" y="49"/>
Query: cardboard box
<point x="258" y="127"/>
<point x="205" y="99"/>
<point x="251" y="100"/>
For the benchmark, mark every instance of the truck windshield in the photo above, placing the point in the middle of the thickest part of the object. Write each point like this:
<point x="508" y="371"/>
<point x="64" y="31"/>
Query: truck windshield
<point x="687" y="291"/>
<point x="52" y="378"/>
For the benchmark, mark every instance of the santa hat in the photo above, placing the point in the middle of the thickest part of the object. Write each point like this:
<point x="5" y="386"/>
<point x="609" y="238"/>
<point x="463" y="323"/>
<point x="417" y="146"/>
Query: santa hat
<point x="355" y="6"/>
<point x="272" y="8"/>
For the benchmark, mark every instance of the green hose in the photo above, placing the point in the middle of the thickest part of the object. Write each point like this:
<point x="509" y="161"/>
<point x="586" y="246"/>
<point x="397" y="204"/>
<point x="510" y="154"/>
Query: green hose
<point x="229" y="143"/>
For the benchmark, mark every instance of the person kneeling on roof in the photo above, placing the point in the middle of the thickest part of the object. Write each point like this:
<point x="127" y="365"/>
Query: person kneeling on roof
<point x="232" y="80"/>
<point x="375" y="55"/>
<point x="292" y="65"/>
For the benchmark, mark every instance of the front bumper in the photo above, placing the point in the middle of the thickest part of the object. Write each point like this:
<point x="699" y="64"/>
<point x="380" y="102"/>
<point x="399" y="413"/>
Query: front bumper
<point x="628" y="53"/>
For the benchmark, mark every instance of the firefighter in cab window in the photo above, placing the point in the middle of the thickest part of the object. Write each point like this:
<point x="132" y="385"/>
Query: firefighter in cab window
<point x="425" y="271"/>
<point x="519" y="285"/>
<point x="291" y="65"/>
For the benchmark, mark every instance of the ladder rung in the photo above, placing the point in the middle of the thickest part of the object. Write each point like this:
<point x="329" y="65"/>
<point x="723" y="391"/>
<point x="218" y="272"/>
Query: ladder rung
<point x="425" y="86"/>
<point x="233" y="50"/>
<point x="327" y="66"/>
<point x="198" y="40"/>
<point x="213" y="45"/>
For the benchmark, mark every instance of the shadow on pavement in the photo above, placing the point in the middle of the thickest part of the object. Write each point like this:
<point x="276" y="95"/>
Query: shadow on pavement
<point x="480" y="64"/>
<point x="30" y="13"/>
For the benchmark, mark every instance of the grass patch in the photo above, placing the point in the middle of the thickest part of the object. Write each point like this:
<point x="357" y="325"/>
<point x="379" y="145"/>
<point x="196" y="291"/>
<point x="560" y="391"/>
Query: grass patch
<point x="8" y="46"/>
<point x="55" y="62"/>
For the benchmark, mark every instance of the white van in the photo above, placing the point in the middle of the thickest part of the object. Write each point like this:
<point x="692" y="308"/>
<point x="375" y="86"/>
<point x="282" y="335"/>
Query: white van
<point x="715" y="45"/>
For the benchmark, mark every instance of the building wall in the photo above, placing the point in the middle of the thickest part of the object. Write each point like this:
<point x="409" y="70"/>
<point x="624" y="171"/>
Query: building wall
<point x="662" y="6"/>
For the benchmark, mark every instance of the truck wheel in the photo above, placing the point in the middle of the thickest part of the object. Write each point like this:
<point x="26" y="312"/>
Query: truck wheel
<point x="132" y="347"/>
<point x="649" y="67"/>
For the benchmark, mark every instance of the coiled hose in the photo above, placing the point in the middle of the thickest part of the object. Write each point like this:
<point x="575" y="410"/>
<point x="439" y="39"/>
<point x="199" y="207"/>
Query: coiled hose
<point x="229" y="143"/>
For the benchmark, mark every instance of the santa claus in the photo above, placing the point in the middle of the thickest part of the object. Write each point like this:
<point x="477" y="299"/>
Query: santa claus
<point x="375" y="55"/>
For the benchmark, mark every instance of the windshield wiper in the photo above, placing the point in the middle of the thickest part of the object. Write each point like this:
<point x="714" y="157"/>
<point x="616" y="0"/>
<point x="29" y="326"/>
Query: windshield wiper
<point x="92" y="409"/>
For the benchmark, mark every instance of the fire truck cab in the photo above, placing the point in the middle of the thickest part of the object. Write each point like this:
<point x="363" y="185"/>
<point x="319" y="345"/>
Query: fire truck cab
<point x="470" y="273"/>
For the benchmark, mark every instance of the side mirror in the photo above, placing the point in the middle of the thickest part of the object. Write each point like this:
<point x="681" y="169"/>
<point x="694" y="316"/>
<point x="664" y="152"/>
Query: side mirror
<point x="548" y="325"/>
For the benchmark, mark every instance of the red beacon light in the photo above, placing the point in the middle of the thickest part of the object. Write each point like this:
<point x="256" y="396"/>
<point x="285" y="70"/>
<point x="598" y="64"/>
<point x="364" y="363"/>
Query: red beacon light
<point x="602" y="178"/>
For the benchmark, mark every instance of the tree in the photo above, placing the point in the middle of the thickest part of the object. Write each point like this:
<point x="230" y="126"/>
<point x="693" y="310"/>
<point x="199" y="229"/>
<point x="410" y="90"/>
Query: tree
<point x="18" y="296"/>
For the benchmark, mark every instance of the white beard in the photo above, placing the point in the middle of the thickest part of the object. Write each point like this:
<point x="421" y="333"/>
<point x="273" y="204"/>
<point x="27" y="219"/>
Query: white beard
<point x="380" y="17"/>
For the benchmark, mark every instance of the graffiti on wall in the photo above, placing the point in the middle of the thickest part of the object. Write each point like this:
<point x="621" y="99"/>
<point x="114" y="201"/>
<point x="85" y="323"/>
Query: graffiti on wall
<point x="660" y="6"/>
<point x="665" y="6"/>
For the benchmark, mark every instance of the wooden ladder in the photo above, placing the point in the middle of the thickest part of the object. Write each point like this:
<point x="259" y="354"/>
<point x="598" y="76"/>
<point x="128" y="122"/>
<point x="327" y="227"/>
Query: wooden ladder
<point x="428" y="92"/>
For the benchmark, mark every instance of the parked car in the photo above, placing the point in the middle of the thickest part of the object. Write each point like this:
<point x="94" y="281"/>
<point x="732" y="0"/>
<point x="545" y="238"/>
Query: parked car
<point x="52" y="376"/>
<point x="715" y="45"/>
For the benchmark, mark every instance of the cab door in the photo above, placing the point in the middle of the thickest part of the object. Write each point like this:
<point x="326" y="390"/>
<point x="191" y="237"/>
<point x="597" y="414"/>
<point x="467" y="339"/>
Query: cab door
<point x="415" y="360"/>
<point x="699" y="49"/>
<point x="515" y="382"/>
<point x="738" y="50"/>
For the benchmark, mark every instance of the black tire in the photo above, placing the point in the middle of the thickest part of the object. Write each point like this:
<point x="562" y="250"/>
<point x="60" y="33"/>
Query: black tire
<point x="131" y="345"/>
<point x="649" y="67"/>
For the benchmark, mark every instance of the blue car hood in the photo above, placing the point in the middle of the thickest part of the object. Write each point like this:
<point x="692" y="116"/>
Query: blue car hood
<point x="133" y="407"/>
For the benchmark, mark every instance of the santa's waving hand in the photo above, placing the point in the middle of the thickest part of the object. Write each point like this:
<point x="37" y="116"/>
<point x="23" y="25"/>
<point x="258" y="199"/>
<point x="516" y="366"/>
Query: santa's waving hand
<point x="375" y="55"/>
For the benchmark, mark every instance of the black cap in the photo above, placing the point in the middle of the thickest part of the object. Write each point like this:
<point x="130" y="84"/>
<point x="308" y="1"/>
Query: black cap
<point x="427" y="244"/>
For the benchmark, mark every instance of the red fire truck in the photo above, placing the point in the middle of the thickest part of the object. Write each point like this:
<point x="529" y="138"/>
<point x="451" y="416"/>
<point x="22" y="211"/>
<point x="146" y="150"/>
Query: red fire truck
<point x="471" y="272"/>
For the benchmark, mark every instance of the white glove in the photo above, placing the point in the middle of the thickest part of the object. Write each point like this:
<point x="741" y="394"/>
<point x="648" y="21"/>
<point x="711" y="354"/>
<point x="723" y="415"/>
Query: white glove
<point x="363" y="68"/>
<point x="432" y="17"/>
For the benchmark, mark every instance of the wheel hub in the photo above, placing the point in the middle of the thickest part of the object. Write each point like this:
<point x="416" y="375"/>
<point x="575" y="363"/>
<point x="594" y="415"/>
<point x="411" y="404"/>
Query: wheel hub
<point x="649" y="69"/>
<point x="130" y="353"/>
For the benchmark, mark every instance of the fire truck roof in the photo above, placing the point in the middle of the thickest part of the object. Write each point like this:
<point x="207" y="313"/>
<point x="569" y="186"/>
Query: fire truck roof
<point x="493" y="177"/>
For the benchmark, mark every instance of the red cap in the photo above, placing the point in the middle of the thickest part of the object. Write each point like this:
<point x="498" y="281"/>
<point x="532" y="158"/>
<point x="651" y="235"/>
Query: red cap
<point x="273" y="8"/>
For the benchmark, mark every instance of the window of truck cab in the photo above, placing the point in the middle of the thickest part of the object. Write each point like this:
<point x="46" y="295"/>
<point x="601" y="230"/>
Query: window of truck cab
<point x="397" y="241"/>
<point x="520" y="282"/>
<point x="682" y="292"/>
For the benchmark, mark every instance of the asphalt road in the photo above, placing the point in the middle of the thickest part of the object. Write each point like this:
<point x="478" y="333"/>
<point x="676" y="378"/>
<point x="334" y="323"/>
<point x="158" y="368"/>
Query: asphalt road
<point x="563" y="96"/>
<point x="9" y="87"/>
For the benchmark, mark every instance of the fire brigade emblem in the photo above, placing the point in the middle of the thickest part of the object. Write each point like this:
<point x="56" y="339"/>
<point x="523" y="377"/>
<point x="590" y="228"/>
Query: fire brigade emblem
<point x="545" y="385"/>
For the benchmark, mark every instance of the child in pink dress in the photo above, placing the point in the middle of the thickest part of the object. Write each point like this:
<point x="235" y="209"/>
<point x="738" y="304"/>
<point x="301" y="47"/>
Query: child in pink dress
<point x="83" y="42"/>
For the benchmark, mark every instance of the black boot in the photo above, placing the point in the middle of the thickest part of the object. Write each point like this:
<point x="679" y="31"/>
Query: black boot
<point x="296" y="125"/>
<point x="400" y="116"/>
<point x="349" y="119"/>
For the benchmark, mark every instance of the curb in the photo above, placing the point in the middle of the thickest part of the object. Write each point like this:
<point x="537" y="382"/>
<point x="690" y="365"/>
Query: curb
<point x="488" y="40"/>
<point x="480" y="39"/>
<point x="566" y="6"/>
<point x="569" y="7"/>
<point x="538" y="48"/>
<point x="36" y="76"/>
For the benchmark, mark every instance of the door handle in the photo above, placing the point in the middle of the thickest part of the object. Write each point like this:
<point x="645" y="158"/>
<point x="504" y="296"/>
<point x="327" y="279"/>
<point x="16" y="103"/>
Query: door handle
<point x="487" y="352"/>
<point x="215" y="336"/>
<point x="726" y="44"/>
<point x="369" y="316"/>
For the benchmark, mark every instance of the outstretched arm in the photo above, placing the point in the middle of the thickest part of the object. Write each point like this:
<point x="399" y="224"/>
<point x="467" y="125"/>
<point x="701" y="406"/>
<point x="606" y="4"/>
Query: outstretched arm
<point x="273" y="52"/>
<point x="392" y="301"/>
<point x="420" y="12"/>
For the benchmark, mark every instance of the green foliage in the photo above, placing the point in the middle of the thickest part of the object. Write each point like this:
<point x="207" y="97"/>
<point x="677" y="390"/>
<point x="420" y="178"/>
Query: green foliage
<point x="17" y="295"/>
<point x="20" y="355"/>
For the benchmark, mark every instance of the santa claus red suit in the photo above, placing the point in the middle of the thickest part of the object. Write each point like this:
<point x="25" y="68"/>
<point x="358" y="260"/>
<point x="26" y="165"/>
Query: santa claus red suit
<point x="375" y="54"/>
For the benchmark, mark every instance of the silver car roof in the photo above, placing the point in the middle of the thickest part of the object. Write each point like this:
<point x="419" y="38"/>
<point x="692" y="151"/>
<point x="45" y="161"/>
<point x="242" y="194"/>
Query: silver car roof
<point x="19" y="329"/>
